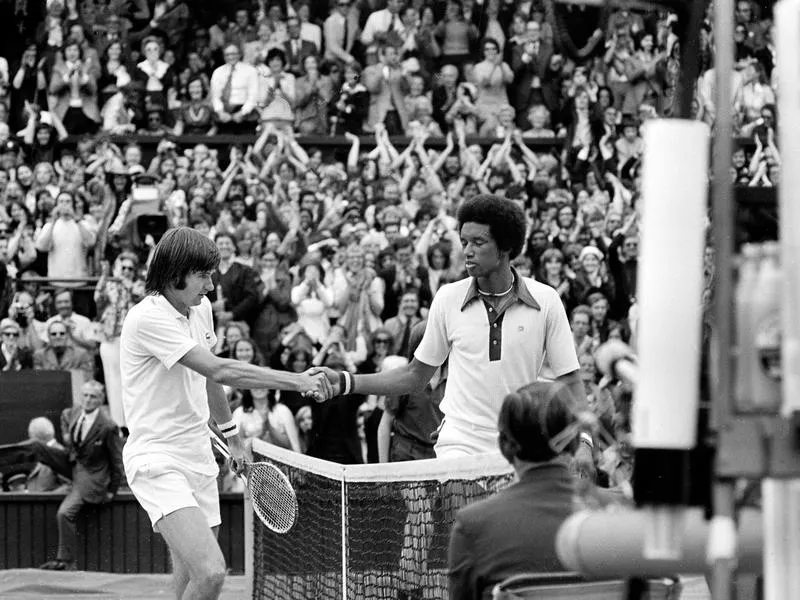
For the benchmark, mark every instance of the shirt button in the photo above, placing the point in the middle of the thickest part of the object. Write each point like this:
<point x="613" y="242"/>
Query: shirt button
<point x="494" y="343"/>
<point x="494" y="325"/>
<point x="491" y="310"/>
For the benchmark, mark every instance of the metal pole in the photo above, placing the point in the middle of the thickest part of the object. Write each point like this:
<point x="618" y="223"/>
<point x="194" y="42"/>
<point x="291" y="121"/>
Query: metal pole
<point x="723" y="222"/>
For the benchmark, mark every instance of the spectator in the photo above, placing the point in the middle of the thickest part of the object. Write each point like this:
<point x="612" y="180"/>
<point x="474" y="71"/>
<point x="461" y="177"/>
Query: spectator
<point x="43" y="478"/>
<point x="491" y="76"/>
<point x="13" y="357"/>
<point x="116" y="292"/>
<point x="313" y="94"/>
<point x="278" y="91"/>
<point x="340" y="33"/>
<point x="93" y="462"/>
<point x="387" y="87"/>
<point x="489" y="541"/>
<point x="401" y="326"/>
<point x="59" y="355"/>
<point x="382" y="22"/>
<point x="458" y="34"/>
<point x="305" y="424"/>
<point x="311" y="299"/>
<point x="73" y="85"/>
<point x="296" y="49"/>
<point x="234" y="93"/>
<point x="196" y="115"/>
<point x="80" y="329"/>
<point x="351" y="107"/>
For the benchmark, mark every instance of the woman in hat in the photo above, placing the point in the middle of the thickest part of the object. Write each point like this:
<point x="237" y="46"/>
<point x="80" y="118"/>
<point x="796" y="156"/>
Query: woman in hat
<point x="591" y="276"/>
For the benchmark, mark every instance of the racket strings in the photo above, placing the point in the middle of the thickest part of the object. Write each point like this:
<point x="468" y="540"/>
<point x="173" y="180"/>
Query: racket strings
<point x="273" y="498"/>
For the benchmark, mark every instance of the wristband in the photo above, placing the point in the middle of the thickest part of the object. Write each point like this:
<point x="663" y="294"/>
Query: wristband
<point x="348" y="383"/>
<point x="587" y="439"/>
<point x="227" y="426"/>
<point x="342" y="383"/>
<point x="232" y="431"/>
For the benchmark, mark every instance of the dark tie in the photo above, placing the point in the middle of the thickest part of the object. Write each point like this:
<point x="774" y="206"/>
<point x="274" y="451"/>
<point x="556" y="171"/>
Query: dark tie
<point x="79" y="430"/>
<point x="344" y="34"/>
<point x="393" y="24"/>
<point x="403" y="351"/>
<point x="226" y="90"/>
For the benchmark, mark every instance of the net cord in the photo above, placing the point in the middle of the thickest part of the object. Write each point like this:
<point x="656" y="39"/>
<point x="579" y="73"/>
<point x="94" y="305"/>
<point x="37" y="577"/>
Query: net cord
<point x="444" y="469"/>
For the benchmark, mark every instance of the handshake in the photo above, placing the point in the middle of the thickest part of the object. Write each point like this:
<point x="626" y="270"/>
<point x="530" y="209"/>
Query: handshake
<point x="320" y="383"/>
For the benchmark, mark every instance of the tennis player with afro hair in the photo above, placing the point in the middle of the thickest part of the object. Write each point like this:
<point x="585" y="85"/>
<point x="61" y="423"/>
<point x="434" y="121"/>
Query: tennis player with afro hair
<point x="496" y="327"/>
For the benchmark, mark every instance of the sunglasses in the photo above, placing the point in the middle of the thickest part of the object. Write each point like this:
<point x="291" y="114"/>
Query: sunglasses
<point x="127" y="268"/>
<point x="58" y="333"/>
<point x="12" y="334"/>
<point x="382" y="341"/>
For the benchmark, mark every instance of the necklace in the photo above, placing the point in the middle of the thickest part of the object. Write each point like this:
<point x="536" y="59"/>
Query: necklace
<point x="480" y="291"/>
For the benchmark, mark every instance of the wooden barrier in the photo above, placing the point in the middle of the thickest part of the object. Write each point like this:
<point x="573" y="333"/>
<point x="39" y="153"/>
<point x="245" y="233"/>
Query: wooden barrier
<point x="115" y="537"/>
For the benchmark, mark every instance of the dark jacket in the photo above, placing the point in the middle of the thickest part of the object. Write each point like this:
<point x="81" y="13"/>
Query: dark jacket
<point x="23" y="359"/>
<point x="511" y="533"/>
<point x="240" y="289"/>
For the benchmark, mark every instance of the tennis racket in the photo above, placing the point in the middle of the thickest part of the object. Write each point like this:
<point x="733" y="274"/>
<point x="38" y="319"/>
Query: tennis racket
<point x="271" y="493"/>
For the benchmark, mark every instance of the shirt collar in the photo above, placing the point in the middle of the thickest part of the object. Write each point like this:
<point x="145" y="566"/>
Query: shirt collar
<point x="160" y="299"/>
<point x="521" y="291"/>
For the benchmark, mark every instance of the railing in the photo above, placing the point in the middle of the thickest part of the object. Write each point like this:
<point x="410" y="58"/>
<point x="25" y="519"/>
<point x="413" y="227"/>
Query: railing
<point x="115" y="537"/>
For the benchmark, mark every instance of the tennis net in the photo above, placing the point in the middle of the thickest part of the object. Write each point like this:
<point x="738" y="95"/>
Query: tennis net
<point x="365" y="531"/>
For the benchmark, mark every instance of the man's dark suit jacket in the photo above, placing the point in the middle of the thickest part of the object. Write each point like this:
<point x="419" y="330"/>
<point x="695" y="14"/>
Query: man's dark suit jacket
<point x="511" y="533"/>
<point x="23" y="360"/>
<point x="97" y="460"/>
<point x="391" y="297"/>
<point x="294" y="61"/>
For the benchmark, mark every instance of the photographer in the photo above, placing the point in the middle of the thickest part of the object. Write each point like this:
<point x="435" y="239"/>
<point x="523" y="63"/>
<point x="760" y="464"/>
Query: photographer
<point x="22" y="313"/>
<point x="67" y="240"/>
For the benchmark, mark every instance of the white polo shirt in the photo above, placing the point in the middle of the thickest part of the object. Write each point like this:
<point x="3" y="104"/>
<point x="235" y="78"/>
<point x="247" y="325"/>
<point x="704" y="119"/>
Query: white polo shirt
<point x="491" y="355"/>
<point x="165" y="403"/>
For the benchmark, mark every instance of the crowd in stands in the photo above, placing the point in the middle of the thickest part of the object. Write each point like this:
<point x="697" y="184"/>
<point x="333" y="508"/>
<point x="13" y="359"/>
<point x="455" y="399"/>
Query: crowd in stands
<point x="332" y="254"/>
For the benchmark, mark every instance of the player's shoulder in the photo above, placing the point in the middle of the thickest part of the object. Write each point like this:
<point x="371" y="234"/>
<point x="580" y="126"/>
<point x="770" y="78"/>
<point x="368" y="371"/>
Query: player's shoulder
<point x="455" y="289"/>
<point x="545" y="295"/>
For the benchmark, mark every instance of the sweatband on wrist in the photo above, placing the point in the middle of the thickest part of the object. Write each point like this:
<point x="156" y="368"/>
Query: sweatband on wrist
<point x="348" y="383"/>
<point x="228" y="425"/>
<point x="232" y="431"/>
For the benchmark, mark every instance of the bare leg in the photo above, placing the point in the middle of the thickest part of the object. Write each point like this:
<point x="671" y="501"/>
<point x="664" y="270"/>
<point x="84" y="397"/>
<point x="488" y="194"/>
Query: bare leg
<point x="197" y="557"/>
<point x="180" y="572"/>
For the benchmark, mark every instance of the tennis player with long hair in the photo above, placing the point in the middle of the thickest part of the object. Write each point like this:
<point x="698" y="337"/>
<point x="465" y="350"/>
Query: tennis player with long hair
<point x="496" y="327"/>
<point x="172" y="384"/>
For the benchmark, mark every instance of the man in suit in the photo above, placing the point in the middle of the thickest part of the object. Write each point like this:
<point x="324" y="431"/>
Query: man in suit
<point x="388" y="88"/>
<point x="407" y="274"/>
<point x="340" y="29"/>
<point x="12" y="356"/>
<point x="92" y="459"/>
<point x="296" y="48"/>
<point x="514" y="532"/>
<point x="401" y="325"/>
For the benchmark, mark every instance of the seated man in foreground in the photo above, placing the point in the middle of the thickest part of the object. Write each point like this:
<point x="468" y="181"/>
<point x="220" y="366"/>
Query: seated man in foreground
<point x="514" y="532"/>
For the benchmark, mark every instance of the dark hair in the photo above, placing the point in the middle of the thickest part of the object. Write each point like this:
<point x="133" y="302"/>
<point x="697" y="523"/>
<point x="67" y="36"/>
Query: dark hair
<point x="224" y="234"/>
<point x="505" y="219"/>
<point x="319" y="267"/>
<point x="444" y="249"/>
<point x="531" y="417"/>
<point x="276" y="53"/>
<point x="180" y="252"/>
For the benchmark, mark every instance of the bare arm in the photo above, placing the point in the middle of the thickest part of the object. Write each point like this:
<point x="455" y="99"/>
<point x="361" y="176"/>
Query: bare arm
<point x="385" y="436"/>
<point x="573" y="381"/>
<point x="407" y="379"/>
<point x="242" y="375"/>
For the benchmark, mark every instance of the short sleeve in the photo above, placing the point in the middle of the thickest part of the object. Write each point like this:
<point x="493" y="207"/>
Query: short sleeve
<point x="435" y="344"/>
<point x="163" y="336"/>
<point x="559" y="344"/>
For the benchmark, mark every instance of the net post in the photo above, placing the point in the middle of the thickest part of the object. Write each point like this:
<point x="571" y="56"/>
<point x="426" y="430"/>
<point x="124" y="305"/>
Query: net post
<point x="249" y="541"/>
<point x="343" y="513"/>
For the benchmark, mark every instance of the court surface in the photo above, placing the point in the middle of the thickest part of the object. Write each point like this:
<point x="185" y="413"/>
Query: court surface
<point x="79" y="585"/>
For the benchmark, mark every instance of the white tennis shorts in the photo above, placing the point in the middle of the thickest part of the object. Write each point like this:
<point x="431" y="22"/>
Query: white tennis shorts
<point x="162" y="488"/>
<point x="459" y="438"/>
